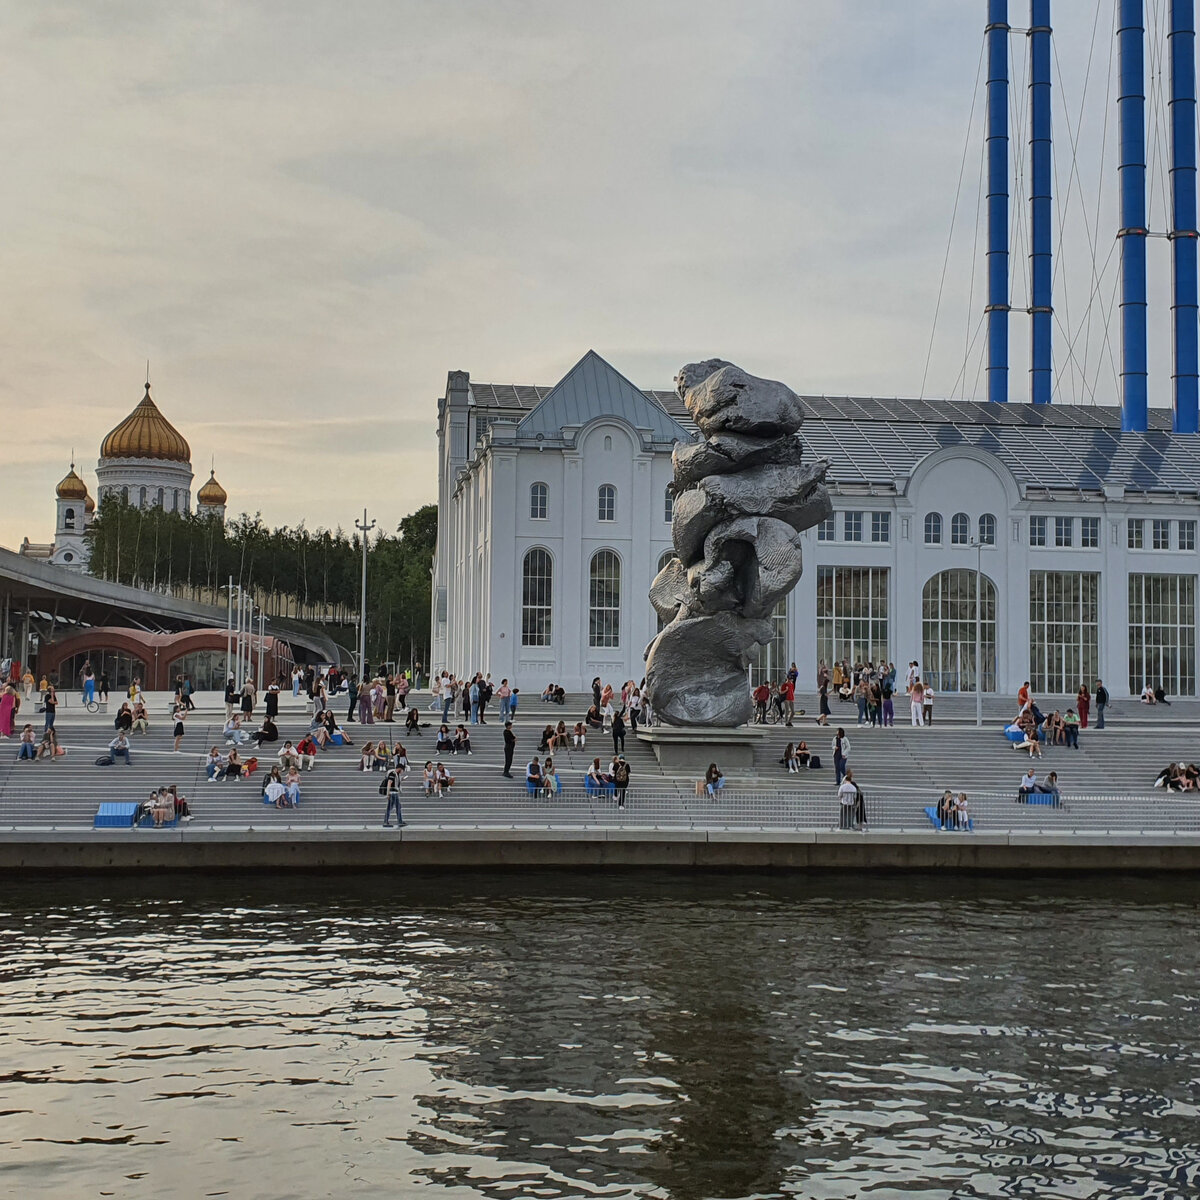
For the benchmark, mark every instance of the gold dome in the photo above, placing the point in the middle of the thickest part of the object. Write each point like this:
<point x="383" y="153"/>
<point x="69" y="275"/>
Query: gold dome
<point x="212" y="494"/>
<point x="72" y="487"/>
<point x="89" y="505"/>
<point x="146" y="433"/>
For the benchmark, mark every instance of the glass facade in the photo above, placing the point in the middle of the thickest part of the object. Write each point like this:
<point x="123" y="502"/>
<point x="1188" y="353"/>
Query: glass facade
<point x="207" y="669"/>
<point x="769" y="663"/>
<point x="1064" y="631"/>
<point x="1162" y="633"/>
<point x="948" y="629"/>
<point x="537" y="594"/>
<point x="604" y="600"/>
<point x="852" y="614"/>
<point x="120" y="667"/>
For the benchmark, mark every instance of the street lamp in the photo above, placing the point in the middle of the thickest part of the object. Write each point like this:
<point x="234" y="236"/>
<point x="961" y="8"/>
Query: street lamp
<point x="362" y="612"/>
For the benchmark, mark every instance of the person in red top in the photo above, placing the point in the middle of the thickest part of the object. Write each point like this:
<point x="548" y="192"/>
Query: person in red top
<point x="1023" y="696"/>
<point x="762" y="694"/>
<point x="306" y="752"/>
<point x="787" y="690"/>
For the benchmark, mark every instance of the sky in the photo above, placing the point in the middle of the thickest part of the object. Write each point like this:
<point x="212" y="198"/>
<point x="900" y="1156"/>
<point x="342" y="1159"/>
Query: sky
<point x="305" y="214"/>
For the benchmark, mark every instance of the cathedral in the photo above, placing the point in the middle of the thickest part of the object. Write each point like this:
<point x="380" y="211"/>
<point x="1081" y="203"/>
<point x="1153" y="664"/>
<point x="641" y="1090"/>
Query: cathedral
<point x="146" y="462"/>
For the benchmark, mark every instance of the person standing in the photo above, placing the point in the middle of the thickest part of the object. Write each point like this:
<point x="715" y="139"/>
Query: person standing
<point x="510" y="746"/>
<point x="389" y="704"/>
<point x="89" y="683"/>
<point x="841" y="752"/>
<point x="1083" y="703"/>
<point x="1101" y="702"/>
<point x="886" y="690"/>
<point x="188" y="689"/>
<point x="850" y="800"/>
<point x="8" y="710"/>
<point x="788" y="690"/>
<point x="927" y="704"/>
<point x="391" y="789"/>
<point x="351" y="697"/>
<point x="180" y="715"/>
<point x="916" y="698"/>
<point x="50" y="704"/>
<point x="505" y="694"/>
<point x="621" y="780"/>
<point x="618" y="733"/>
<point x="475" y="700"/>
<point x="249" y="697"/>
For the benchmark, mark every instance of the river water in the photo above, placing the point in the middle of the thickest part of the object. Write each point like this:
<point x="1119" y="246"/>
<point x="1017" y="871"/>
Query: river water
<point x="614" y="1036"/>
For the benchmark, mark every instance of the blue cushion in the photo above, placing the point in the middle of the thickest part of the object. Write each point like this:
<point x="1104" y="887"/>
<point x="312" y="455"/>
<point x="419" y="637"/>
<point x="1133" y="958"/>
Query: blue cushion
<point x="117" y="814"/>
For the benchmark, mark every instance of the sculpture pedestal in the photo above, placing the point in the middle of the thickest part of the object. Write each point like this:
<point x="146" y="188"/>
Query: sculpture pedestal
<point x="687" y="750"/>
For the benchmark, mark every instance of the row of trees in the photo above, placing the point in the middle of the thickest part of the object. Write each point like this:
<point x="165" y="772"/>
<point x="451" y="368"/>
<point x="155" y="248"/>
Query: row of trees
<point x="306" y="575"/>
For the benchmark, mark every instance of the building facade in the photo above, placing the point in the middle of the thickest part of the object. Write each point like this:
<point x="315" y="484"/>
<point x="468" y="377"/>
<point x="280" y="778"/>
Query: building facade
<point x="554" y="516"/>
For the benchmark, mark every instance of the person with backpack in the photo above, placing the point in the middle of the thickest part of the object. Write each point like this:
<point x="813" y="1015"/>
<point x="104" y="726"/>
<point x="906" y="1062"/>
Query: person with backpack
<point x="620" y="774"/>
<point x="1101" y="697"/>
<point x="390" y="787"/>
<point x="853" y="807"/>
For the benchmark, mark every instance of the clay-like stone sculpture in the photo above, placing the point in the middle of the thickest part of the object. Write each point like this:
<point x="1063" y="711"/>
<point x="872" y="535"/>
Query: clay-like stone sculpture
<point x="742" y="498"/>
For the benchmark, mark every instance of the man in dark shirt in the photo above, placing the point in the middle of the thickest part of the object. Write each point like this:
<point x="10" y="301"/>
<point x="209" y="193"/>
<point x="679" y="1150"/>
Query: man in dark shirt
<point x="1101" y="702"/>
<point x="510" y="744"/>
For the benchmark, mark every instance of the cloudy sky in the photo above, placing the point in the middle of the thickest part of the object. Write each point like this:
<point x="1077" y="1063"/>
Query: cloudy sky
<point x="304" y="214"/>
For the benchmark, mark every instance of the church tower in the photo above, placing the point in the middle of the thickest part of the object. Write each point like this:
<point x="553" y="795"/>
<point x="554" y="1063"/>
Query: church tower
<point x="74" y="508"/>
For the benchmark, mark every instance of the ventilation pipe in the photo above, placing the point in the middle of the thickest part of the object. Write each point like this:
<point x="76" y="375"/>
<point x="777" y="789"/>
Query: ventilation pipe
<point x="1181" y="39"/>
<point x="1131" y="117"/>
<point x="1041" y="350"/>
<point x="997" y="199"/>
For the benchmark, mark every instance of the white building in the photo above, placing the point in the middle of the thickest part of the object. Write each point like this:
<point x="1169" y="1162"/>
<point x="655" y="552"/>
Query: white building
<point x="553" y="518"/>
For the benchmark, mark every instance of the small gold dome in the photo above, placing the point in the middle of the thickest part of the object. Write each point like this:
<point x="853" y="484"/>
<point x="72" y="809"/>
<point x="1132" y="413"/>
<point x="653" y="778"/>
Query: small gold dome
<point x="71" y="487"/>
<point x="89" y="505"/>
<point x="146" y="433"/>
<point x="212" y="494"/>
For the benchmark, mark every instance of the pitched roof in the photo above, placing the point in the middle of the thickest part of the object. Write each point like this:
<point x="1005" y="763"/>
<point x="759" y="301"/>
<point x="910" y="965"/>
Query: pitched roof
<point x="874" y="440"/>
<point x="592" y="388"/>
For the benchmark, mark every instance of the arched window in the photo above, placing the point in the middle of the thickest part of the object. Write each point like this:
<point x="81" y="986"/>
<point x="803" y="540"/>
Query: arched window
<point x="960" y="529"/>
<point x="948" y="630"/>
<point x="142" y="498"/>
<point x="539" y="501"/>
<point x="125" y="494"/>
<point x="537" y="593"/>
<point x="604" y="600"/>
<point x="69" y="519"/>
<point x="668" y="504"/>
<point x="608" y="443"/>
<point x="933" y="529"/>
<point x="162" y="497"/>
<point x="987" y="530"/>
<point x="607" y="502"/>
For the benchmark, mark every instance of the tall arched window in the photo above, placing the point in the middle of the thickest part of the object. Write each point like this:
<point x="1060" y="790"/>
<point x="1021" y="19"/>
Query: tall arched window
<point x="69" y="519"/>
<point x="539" y="501"/>
<point x="668" y="504"/>
<point x="537" y="593"/>
<point x="960" y="529"/>
<point x="604" y="600"/>
<point x="987" y="530"/>
<point x="933" y="529"/>
<point x="125" y="494"/>
<point x="142" y="498"/>
<point x="162" y="497"/>
<point x="607" y="502"/>
<point x="949" y="617"/>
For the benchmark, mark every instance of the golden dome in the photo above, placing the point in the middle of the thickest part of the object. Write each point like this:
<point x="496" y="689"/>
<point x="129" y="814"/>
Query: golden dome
<point x="72" y="487"/>
<point x="212" y="493"/>
<point x="146" y="433"/>
<point x="89" y="505"/>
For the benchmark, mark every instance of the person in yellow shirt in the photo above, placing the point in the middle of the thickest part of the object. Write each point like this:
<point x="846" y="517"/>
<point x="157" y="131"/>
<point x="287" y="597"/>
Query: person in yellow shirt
<point x="27" y="684"/>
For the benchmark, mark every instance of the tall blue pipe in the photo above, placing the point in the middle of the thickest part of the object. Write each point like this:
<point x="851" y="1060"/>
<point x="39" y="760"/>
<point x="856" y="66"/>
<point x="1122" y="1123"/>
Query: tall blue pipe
<point x="1184" y="312"/>
<point x="1040" y="217"/>
<point x="997" y="199"/>
<point x="1131" y="117"/>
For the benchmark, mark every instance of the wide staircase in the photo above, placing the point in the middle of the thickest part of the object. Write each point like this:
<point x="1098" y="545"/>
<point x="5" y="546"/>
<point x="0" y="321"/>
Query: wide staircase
<point x="1106" y="784"/>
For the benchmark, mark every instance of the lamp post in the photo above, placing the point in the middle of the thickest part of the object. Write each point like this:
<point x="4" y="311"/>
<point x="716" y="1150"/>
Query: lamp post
<point x="365" y="528"/>
<point x="978" y="544"/>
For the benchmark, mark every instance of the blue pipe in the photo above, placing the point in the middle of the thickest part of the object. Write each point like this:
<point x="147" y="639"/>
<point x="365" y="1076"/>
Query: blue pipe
<point x="1131" y="117"/>
<point x="1184" y="311"/>
<point x="1040" y="216"/>
<point x="997" y="199"/>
